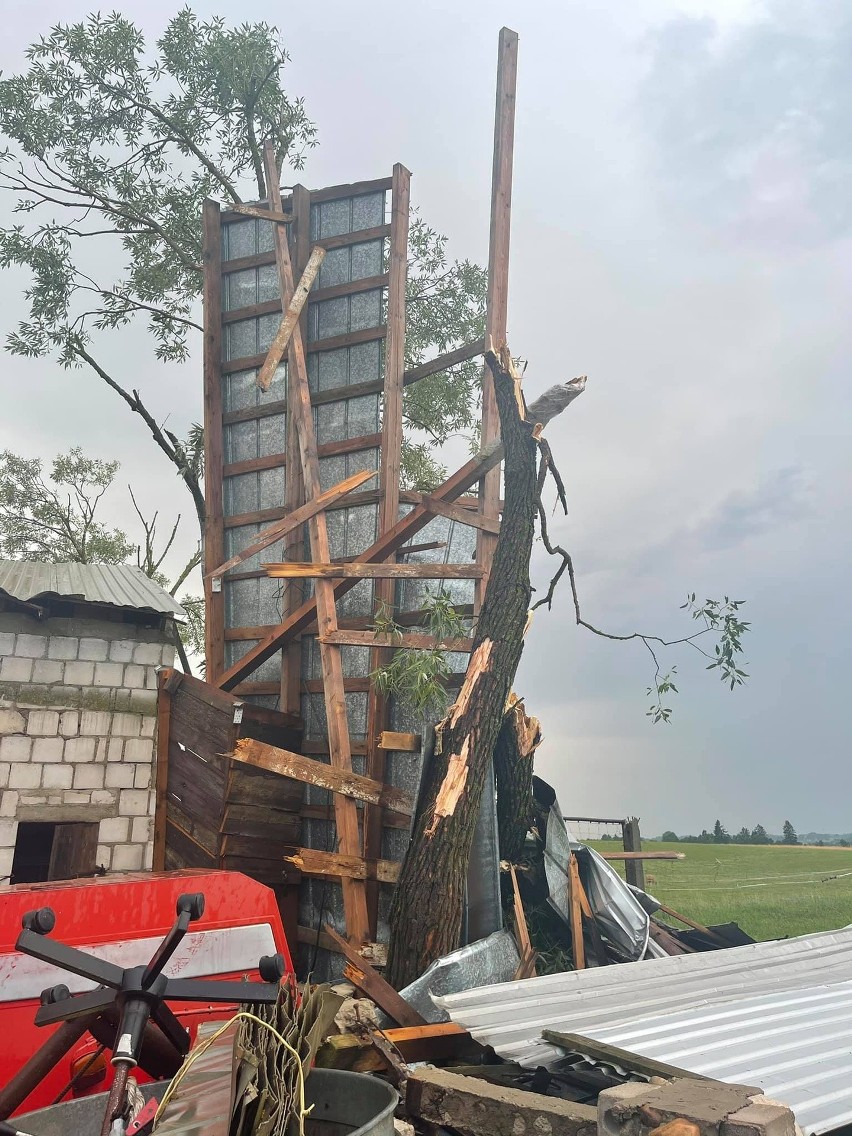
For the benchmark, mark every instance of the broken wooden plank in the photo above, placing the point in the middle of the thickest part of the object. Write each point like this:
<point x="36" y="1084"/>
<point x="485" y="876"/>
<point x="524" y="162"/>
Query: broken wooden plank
<point x="408" y="640"/>
<point x="441" y="1041"/>
<point x="274" y="215"/>
<point x="299" y="410"/>
<point x="479" y="1108"/>
<point x="291" y="317"/>
<point x="670" y="911"/>
<point x="294" y="519"/>
<point x="643" y="855"/>
<point x="607" y="1054"/>
<point x="370" y="571"/>
<point x="445" y="361"/>
<point x="526" y="967"/>
<point x="459" y="513"/>
<point x="372" y="983"/>
<point x="578" y="949"/>
<point x="401" y="742"/>
<point x="337" y="865"/>
<point x="311" y="772"/>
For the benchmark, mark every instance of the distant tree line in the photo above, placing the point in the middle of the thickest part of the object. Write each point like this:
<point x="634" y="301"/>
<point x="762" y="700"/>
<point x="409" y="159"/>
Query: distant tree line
<point x="756" y="835"/>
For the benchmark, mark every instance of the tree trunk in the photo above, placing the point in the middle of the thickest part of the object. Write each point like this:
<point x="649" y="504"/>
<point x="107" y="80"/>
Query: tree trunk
<point x="426" y="913"/>
<point x="519" y="738"/>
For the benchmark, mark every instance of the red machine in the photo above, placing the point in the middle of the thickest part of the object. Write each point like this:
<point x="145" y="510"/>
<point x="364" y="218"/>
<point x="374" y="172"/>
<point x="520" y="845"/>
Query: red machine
<point x="122" y="919"/>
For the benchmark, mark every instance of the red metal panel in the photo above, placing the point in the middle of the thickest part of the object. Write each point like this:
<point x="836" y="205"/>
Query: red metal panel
<point x="111" y="912"/>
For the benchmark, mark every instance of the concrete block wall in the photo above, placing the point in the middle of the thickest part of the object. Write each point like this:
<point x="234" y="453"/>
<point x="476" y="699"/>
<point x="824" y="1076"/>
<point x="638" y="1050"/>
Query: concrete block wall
<point x="78" y="702"/>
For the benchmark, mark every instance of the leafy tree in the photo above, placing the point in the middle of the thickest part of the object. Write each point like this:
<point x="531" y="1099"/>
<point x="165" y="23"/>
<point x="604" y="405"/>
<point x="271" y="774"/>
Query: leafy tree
<point x="759" y="835"/>
<point x="789" y="834"/>
<point x="720" y="834"/>
<point x="743" y="836"/>
<point x="113" y="148"/>
<point x="114" y="143"/>
<point x="419" y="677"/>
<point x="669" y="836"/>
<point x="53" y="518"/>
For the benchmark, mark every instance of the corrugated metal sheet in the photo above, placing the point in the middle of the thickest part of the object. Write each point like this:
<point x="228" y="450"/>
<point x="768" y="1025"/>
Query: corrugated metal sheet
<point x="119" y="585"/>
<point x="775" y="1015"/>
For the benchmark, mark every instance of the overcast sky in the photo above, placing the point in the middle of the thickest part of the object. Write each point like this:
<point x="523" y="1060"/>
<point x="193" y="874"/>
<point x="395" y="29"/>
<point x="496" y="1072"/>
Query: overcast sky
<point x="681" y="234"/>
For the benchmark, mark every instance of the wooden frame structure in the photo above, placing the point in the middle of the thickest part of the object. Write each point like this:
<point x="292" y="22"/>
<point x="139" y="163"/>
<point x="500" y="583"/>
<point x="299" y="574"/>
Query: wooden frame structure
<point x="303" y="491"/>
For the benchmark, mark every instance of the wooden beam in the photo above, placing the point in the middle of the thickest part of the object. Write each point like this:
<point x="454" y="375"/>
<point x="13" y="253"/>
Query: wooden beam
<point x="388" y="512"/>
<point x="407" y="640"/>
<point x="372" y="571"/>
<point x="294" y="487"/>
<point x="295" y="520"/>
<point x="273" y="215"/>
<point x="161" y="780"/>
<point x="374" y="986"/>
<point x="578" y="949"/>
<point x="385" y="546"/>
<point x="214" y="455"/>
<point x="305" y="769"/>
<point x="335" y="865"/>
<point x="345" y="813"/>
<point x="630" y="856"/>
<point x="498" y="276"/>
<point x="602" y="1052"/>
<point x="400" y="742"/>
<point x="460" y="514"/>
<point x="445" y="361"/>
<point x="290" y="319"/>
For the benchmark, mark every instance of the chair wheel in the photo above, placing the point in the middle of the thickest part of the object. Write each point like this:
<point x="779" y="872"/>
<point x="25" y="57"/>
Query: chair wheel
<point x="192" y="902"/>
<point x="272" y="968"/>
<point x="41" y="921"/>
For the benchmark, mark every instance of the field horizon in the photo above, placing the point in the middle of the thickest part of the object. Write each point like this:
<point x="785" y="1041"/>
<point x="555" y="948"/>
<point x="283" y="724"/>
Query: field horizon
<point x="773" y="891"/>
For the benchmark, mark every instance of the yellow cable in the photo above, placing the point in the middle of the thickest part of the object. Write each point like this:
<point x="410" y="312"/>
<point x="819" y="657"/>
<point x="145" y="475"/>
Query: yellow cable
<point x="203" y="1046"/>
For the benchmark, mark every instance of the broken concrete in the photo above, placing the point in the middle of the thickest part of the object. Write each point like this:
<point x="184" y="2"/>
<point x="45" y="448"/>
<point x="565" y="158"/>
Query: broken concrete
<point x="716" y="1109"/>
<point x="477" y="1108"/>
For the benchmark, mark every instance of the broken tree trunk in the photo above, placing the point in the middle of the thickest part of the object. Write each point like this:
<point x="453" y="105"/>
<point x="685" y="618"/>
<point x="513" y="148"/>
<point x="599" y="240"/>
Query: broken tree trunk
<point x="426" y="913"/>
<point x="519" y="738"/>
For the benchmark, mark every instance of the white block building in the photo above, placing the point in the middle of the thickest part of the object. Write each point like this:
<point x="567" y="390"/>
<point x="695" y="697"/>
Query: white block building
<point x="80" y="646"/>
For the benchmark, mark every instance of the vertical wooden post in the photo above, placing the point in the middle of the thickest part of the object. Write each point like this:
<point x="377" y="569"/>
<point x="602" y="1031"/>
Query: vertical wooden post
<point x="389" y="502"/>
<point x="634" y="870"/>
<point x="498" y="279"/>
<point x="294" y="490"/>
<point x="161" y="776"/>
<point x="214" y="527"/>
<point x="578" y="947"/>
<point x="345" y="812"/>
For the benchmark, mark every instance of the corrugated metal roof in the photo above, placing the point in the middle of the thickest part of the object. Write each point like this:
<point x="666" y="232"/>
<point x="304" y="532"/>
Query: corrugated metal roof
<point x="775" y="1015"/>
<point x="119" y="585"/>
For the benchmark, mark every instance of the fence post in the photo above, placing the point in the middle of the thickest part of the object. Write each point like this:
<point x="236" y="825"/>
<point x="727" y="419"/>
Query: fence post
<point x="634" y="870"/>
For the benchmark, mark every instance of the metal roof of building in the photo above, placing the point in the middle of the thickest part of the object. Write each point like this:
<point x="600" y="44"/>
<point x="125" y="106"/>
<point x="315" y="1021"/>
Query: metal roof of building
<point x="119" y="585"/>
<point x="776" y="1015"/>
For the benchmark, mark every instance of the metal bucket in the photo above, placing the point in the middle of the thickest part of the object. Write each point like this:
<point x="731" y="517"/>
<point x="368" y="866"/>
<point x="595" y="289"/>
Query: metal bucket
<point x="345" y="1104"/>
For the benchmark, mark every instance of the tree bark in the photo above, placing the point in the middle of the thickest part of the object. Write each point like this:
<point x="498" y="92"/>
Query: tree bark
<point x="519" y="738"/>
<point x="426" y="914"/>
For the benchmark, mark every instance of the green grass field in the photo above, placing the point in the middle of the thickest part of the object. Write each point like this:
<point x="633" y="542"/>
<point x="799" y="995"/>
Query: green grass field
<point x="772" y="892"/>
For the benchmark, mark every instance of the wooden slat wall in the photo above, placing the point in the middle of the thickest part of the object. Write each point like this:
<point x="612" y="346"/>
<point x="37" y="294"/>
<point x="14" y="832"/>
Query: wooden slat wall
<point x="221" y="813"/>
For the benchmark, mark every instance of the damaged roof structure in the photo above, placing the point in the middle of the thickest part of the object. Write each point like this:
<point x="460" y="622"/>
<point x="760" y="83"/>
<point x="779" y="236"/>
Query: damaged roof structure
<point x="773" y="1014"/>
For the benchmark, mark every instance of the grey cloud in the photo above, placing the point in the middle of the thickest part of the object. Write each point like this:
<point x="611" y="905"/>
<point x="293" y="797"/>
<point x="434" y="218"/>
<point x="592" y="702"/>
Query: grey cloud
<point x="751" y="123"/>
<point x="780" y="497"/>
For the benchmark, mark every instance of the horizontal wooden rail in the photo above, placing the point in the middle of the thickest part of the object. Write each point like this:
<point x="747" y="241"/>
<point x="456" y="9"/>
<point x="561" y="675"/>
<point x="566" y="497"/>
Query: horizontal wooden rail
<point x="372" y="571"/>
<point x="311" y="772"/>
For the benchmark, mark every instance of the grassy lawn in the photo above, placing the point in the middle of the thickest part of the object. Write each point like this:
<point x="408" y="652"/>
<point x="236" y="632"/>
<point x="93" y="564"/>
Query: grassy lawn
<point x="772" y="892"/>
